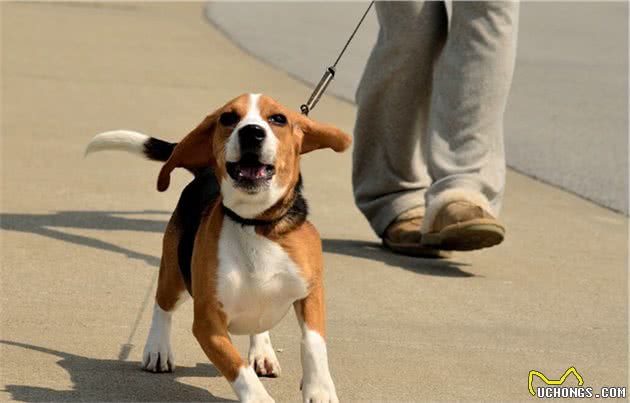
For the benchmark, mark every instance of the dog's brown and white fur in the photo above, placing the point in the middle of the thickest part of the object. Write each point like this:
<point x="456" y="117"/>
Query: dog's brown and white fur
<point x="244" y="274"/>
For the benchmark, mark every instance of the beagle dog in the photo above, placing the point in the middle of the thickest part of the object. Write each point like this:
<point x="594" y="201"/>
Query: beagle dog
<point x="239" y="242"/>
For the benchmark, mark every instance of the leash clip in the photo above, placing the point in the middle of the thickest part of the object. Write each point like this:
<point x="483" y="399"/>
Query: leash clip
<point x="330" y="71"/>
<point x="319" y="90"/>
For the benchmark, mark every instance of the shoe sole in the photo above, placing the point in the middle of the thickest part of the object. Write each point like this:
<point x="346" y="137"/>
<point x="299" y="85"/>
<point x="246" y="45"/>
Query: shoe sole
<point x="415" y="250"/>
<point x="465" y="237"/>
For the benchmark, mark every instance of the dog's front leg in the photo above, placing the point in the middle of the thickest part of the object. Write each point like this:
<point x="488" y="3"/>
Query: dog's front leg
<point x="317" y="384"/>
<point x="210" y="329"/>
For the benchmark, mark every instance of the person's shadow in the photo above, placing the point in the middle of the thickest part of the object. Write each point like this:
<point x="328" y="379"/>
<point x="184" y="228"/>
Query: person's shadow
<point x="113" y="380"/>
<point x="374" y="251"/>
<point x="51" y="225"/>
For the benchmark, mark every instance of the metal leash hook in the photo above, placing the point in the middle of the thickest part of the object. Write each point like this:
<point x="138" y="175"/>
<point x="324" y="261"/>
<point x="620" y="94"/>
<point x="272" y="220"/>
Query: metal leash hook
<point x="319" y="90"/>
<point x="329" y="74"/>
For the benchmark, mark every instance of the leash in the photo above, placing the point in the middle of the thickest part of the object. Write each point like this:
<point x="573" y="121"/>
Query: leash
<point x="329" y="74"/>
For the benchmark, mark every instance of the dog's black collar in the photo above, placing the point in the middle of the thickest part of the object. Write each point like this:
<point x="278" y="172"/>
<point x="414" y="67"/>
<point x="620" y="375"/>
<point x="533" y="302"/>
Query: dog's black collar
<point x="248" y="221"/>
<point x="295" y="214"/>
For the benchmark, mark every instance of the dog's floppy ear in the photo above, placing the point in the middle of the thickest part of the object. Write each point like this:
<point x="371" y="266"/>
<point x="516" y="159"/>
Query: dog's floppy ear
<point x="320" y="135"/>
<point x="194" y="151"/>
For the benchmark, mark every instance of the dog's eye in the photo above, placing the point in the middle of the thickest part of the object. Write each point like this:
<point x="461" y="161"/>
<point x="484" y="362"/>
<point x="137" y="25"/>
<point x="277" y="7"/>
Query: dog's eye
<point x="278" y="119"/>
<point x="229" y="118"/>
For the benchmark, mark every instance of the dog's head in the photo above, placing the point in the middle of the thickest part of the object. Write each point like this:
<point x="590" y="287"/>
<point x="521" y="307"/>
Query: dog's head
<point x="253" y="144"/>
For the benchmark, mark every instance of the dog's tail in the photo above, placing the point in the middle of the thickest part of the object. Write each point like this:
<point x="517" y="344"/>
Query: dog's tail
<point x="133" y="142"/>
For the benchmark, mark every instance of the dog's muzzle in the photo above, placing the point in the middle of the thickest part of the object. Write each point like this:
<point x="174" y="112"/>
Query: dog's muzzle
<point x="249" y="173"/>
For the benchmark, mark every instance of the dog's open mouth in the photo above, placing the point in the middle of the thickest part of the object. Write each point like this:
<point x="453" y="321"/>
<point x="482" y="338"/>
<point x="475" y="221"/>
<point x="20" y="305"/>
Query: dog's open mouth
<point x="249" y="172"/>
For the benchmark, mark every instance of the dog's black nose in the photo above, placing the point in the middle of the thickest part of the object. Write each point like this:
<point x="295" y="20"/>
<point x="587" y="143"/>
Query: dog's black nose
<point x="251" y="137"/>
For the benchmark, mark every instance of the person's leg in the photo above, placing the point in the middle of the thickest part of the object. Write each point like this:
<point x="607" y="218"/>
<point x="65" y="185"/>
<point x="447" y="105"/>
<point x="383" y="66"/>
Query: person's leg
<point x="470" y="87"/>
<point x="389" y="173"/>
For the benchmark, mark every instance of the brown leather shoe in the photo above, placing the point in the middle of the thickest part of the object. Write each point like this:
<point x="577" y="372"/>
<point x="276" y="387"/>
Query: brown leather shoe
<point x="403" y="237"/>
<point x="462" y="225"/>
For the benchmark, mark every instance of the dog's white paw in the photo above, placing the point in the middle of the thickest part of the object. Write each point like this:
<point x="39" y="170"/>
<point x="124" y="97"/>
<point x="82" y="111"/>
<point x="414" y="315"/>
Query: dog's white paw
<point x="317" y="384"/>
<point x="248" y="387"/>
<point x="319" y="391"/>
<point x="158" y="355"/>
<point x="262" y="357"/>
<point x="265" y="363"/>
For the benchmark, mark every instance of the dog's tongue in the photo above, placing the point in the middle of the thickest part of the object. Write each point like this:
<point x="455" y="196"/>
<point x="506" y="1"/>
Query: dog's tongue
<point x="253" y="172"/>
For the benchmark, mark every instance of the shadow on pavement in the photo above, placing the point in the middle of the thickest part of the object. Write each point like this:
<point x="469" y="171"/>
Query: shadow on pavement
<point x="112" y="380"/>
<point x="374" y="251"/>
<point x="48" y="225"/>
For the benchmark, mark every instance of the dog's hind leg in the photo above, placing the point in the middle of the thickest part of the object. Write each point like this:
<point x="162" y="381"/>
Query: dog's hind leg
<point x="171" y="293"/>
<point x="261" y="355"/>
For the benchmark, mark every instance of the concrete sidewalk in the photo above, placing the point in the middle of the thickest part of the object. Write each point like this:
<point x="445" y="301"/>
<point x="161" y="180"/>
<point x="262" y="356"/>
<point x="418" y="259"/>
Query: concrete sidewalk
<point x="81" y="237"/>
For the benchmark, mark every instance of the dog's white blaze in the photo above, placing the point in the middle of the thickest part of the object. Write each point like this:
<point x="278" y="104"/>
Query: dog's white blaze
<point x="248" y="387"/>
<point x="245" y="204"/>
<point x="257" y="280"/>
<point x="253" y="117"/>
<point x="317" y="383"/>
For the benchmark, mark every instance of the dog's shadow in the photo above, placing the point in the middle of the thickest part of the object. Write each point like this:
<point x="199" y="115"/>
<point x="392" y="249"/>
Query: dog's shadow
<point x="113" y="380"/>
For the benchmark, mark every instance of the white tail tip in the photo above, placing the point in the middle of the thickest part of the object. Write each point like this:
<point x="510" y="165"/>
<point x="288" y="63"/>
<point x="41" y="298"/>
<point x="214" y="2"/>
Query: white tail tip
<point x="121" y="140"/>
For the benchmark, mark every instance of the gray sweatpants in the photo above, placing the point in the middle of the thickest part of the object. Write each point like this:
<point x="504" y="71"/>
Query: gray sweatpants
<point x="429" y="126"/>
